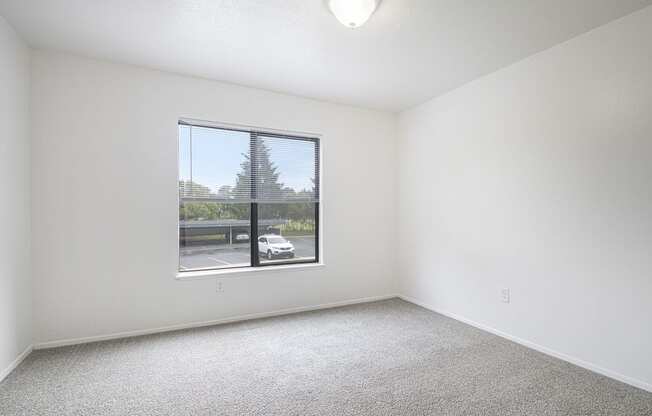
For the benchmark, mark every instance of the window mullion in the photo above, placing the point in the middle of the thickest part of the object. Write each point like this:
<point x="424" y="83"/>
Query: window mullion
<point x="318" y="197"/>
<point x="253" y="211"/>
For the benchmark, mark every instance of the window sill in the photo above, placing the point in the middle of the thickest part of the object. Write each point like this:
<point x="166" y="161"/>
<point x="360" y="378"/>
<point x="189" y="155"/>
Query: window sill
<point x="215" y="274"/>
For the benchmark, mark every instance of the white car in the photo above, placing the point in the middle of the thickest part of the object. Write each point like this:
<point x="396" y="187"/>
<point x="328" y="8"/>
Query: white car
<point x="274" y="246"/>
<point x="240" y="238"/>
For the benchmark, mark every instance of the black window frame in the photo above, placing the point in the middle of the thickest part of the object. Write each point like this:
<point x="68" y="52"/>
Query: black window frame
<point x="254" y="261"/>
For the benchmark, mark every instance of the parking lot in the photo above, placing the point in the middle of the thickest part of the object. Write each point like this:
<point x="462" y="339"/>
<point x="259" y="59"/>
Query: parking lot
<point x="225" y="256"/>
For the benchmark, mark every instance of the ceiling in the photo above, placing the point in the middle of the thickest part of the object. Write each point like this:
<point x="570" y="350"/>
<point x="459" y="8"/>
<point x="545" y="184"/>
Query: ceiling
<point x="409" y="52"/>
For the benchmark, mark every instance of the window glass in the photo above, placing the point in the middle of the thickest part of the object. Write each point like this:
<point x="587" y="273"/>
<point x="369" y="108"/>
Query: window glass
<point x="213" y="235"/>
<point x="291" y="231"/>
<point x="214" y="223"/>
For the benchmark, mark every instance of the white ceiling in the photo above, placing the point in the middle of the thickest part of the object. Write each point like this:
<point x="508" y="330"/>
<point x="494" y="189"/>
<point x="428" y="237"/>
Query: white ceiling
<point x="409" y="52"/>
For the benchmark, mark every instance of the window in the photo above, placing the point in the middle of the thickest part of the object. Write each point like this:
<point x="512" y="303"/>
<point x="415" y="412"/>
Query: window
<point x="246" y="198"/>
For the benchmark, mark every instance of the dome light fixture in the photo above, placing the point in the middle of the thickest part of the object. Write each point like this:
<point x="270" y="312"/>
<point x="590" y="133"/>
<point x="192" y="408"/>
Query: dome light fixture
<point x="353" y="13"/>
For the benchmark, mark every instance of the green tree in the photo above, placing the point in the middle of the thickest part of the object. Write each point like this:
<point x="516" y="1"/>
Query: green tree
<point x="192" y="189"/>
<point x="266" y="172"/>
<point x="267" y="181"/>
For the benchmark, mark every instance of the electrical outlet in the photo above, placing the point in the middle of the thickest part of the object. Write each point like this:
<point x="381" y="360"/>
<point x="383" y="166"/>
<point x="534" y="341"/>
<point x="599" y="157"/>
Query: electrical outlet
<point x="219" y="287"/>
<point x="504" y="295"/>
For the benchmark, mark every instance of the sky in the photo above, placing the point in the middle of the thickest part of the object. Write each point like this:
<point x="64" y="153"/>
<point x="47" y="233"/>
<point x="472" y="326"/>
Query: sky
<point x="217" y="155"/>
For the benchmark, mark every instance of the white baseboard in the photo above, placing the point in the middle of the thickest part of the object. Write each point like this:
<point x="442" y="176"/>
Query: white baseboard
<point x="4" y="373"/>
<point x="576" y="361"/>
<point x="129" y="334"/>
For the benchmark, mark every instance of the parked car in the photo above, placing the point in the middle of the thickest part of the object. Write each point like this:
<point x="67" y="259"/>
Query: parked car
<point x="241" y="238"/>
<point x="275" y="246"/>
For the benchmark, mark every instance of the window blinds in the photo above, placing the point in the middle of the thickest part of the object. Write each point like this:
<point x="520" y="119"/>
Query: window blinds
<point x="232" y="166"/>
<point x="285" y="169"/>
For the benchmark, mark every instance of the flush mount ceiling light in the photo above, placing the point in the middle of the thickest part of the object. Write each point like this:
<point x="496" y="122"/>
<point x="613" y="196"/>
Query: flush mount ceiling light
<point x="353" y="13"/>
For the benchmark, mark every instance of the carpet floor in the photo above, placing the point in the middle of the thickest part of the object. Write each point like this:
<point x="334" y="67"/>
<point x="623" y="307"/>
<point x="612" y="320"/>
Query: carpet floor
<point x="381" y="358"/>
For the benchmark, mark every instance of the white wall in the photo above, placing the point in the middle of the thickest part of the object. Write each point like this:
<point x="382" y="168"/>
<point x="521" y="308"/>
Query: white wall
<point x="105" y="199"/>
<point x="15" y="287"/>
<point x="538" y="178"/>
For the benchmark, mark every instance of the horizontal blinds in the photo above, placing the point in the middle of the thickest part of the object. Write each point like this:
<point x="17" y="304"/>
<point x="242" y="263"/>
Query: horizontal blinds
<point x="266" y="169"/>
<point x="285" y="169"/>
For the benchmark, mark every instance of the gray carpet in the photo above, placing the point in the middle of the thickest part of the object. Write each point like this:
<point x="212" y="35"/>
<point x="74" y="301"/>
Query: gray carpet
<point x="382" y="358"/>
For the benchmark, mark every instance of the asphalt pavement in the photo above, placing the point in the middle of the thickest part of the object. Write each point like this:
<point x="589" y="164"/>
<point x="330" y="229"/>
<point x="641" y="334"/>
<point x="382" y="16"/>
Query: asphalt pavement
<point x="236" y="255"/>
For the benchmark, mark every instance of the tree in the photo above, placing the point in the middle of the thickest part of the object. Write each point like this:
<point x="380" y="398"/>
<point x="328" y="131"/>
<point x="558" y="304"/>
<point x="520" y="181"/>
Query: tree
<point x="225" y="192"/>
<point x="194" y="190"/>
<point x="197" y="210"/>
<point x="267" y="184"/>
<point x="230" y="206"/>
